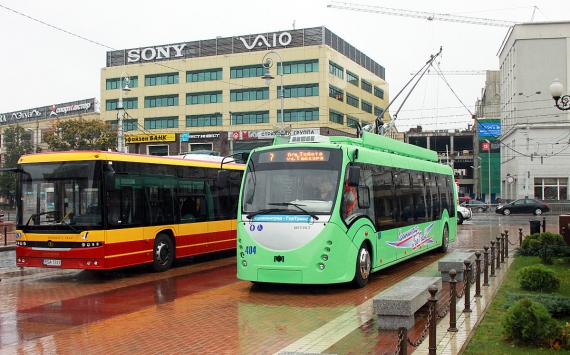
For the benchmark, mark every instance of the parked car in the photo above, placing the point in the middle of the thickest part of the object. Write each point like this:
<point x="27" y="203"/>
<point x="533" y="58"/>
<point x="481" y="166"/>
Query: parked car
<point x="463" y="214"/>
<point x="523" y="205"/>
<point x="475" y="205"/>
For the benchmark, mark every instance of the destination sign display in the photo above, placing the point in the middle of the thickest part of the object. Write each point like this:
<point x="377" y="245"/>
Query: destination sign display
<point x="294" y="156"/>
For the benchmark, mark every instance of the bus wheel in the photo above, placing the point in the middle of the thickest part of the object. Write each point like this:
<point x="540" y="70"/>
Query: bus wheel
<point x="444" y="240"/>
<point x="163" y="253"/>
<point x="362" y="267"/>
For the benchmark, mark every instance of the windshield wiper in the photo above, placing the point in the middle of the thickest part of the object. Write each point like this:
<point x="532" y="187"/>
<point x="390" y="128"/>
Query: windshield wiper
<point x="296" y="205"/>
<point x="265" y="211"/>
<point x="36" y="215"/>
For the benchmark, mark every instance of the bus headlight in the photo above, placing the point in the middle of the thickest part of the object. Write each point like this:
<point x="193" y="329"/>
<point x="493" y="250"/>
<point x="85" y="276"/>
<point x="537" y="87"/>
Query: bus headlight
<point x="244" y="263"/>
<point x="242" y="254"/>
<point x="321" y="266"/>
<point x="325" y="257"/>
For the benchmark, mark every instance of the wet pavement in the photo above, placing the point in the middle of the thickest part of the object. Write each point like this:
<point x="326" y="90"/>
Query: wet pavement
<point x="199" y="307"/>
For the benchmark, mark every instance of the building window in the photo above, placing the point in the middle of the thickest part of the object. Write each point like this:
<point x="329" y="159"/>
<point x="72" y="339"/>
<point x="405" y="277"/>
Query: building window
<point x="300" y="115"/>
<point x="551" y="188"/>
<point x="131" y="124"/>
<point x="114" y="83"/>
<point x="161" y="79"/>
<point x="128" y="104"/>
<point x="306" y="66"/>
<point x="336" y="70"/>
<point x="366" y="106"/>
<point x="378" y="92"/>
<point x="204" y="120"/>
<point x="249" y="95"/>
<point x="378" y="111"/>
<point x="336" y="117"/>
<point x="299" y="90"/>
<point x="351" y="121"/>
<point x="250" y="117"/>
<point x="203" y="98"/>
<point x="161" y="101"/>
<point x="161" y="122"/>
<point x="203" y="75"/>
<point x="352" y="78"/>
<point x="352" y="100"/>
<point x="202" y="148"/>
<point x="248" y="71"/>
<point x="160" y="150"/>
<point x="366" y="86"/>
<point x="336" y="93"/>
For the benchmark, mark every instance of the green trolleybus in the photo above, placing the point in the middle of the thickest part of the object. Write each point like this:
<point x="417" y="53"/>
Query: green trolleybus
<point x="319" y="210"/>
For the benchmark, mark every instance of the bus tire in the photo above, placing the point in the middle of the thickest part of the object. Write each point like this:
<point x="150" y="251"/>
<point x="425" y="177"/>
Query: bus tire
<point x="163" y="253"/>
<point x="444" y="239"/>
<point x="363" y="266"/>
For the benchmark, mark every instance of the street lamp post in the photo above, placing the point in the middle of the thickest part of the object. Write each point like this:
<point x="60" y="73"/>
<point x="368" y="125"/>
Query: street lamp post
<point x="34" y="140"/>
<point x="267" y="63"/>
<point x="478" y="186"/>
<point x="121" y="111"/>
<point x="489" y="156"/>
<point x="231" y="136"/>
<point x="562" y="102"/>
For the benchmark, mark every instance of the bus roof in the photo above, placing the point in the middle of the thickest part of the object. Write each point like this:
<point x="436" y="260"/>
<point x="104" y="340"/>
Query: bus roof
<point x="370" y="141"/>
<point x="82" y="155"/>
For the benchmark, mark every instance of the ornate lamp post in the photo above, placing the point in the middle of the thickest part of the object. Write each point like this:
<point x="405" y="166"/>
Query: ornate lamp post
<point x="562" y="102"/>
<point x="267" y="63"/>
<point x="121" y="111"/>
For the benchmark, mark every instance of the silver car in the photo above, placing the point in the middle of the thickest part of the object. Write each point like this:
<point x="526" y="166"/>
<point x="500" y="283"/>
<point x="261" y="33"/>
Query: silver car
<point x="463" y="214"/>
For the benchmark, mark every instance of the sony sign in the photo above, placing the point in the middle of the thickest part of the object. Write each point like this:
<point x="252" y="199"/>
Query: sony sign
<point x="284" y="40"/>
<point x="151" y="53"/>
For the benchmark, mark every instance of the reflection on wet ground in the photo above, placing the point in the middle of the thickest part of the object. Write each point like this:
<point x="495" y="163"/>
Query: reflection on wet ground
<point x="202" y="307"/>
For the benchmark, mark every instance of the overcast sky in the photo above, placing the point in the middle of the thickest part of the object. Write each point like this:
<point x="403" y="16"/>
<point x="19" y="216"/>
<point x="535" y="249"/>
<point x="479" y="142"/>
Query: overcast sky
<point x="42" y="65"/>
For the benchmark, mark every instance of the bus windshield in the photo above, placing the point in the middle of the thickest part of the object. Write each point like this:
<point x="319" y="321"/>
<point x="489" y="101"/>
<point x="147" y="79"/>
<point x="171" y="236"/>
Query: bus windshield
<point x="292" y="181"/>
<point x="62" y="195"/>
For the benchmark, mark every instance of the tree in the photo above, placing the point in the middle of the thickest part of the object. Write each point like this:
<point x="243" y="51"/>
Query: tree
<point x="81" y="134"/>
<point x="17" y="142"/>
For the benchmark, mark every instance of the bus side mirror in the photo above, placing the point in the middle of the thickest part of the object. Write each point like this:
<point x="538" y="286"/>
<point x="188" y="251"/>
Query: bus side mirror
<point x="244" y="156"/>
<point x="353" y="175"/>
<point x="110" y="181"/>
<point x="222" y="179"/>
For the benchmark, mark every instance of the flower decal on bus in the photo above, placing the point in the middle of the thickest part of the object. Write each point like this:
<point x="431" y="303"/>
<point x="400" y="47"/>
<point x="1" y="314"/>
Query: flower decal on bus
<point x="413" y="238"/>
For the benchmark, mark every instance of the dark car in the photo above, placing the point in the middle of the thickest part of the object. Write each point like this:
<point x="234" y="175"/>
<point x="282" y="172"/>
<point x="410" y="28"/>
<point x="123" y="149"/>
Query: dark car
<point x="523" y="205"/>
<point x="475" y="205"/>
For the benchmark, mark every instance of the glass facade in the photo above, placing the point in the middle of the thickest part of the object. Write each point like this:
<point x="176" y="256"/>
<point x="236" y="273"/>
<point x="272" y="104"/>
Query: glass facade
<point x="249" y="94"/>
<point x="161" y="79"/>
<point x="203" y="98"/>
<point x="299" y="115"/>
<point x="204" y="120"/>
<point x="161" y="122"/>
<point x="160" y="101"/>
<point x="336" y="70"/>
<point x="203" y="75"/>
<point x="336" y="117"/>
<point x="299" y="90"/>
<point x="131" y="103"/>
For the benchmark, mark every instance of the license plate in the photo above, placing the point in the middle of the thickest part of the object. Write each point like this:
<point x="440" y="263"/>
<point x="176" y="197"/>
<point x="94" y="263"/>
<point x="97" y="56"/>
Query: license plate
<point x="52" y="262"/>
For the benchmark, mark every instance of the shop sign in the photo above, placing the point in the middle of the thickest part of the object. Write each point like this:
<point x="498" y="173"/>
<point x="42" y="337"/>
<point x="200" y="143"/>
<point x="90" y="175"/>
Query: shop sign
<point x="150" y="138"/>
<point x="158" y="52"/>
<point x="284" y="40"/>
<point x="185" y="137"/>
<point x="268" y="134"/>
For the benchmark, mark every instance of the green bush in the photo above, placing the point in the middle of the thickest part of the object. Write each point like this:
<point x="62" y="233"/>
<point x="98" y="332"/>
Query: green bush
<point x="538" y="278"/>
<point x="557" y="306"/>
<point x="529" y="323"/>
<point x="545" y="245"/>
